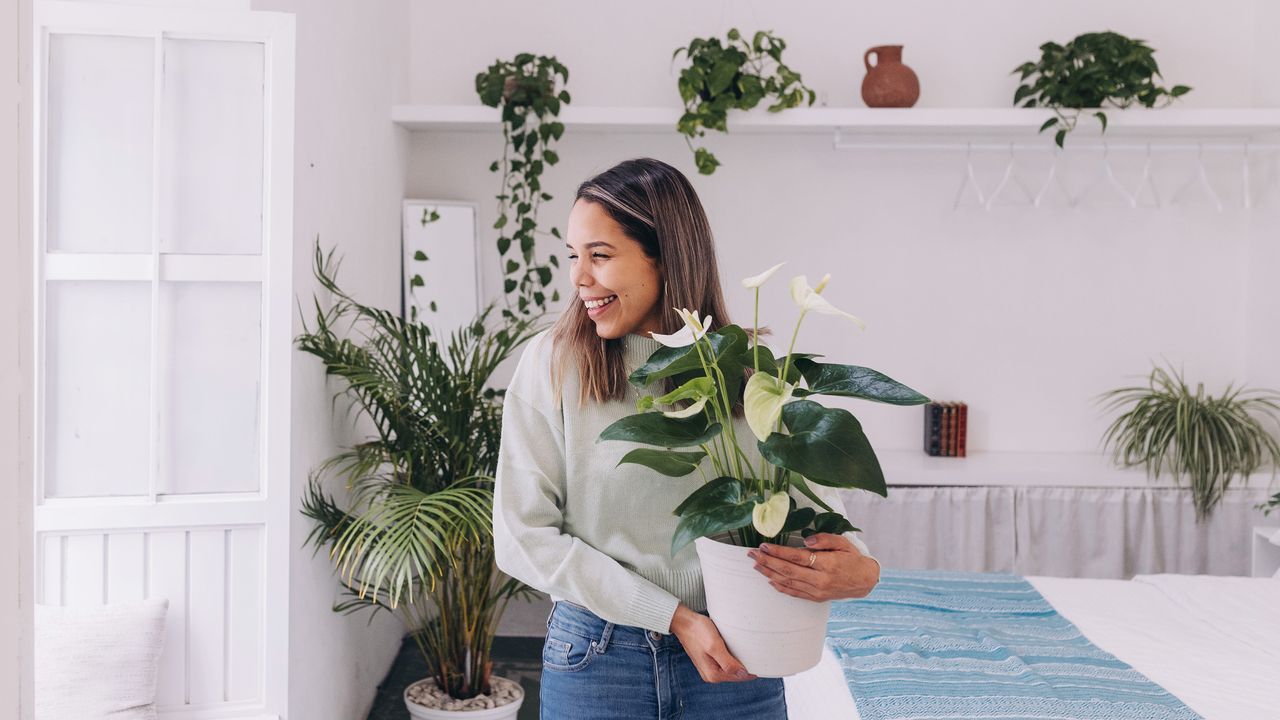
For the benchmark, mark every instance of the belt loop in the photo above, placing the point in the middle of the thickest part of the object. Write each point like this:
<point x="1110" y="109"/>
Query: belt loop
<point x="604" y="637"/>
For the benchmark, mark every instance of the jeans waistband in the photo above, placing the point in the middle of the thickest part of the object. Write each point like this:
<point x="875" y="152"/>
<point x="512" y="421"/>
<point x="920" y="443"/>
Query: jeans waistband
<point x="574" y="618"/>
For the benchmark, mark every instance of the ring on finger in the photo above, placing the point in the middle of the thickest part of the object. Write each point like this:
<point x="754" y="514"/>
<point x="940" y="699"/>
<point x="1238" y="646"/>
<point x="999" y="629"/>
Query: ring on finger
<point x="812" y="556"/>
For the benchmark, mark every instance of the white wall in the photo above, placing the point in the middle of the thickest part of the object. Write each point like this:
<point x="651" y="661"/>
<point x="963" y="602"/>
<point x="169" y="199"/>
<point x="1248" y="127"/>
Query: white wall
<point x="348" y="182"/>
<point x="1025" y="314"/>
<point x="15" y="363"/>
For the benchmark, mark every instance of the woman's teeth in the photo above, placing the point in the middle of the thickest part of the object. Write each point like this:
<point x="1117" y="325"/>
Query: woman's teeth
<point x="592" y="304"/>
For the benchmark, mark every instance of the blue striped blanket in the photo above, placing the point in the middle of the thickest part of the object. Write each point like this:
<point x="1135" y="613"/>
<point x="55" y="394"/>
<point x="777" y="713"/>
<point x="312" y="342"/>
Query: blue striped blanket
<point x="932" y="644"/>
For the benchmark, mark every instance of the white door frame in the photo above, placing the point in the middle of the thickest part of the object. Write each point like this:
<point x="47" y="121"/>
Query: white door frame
<point x="16" y="383"/>
<point x="268" y="508"/>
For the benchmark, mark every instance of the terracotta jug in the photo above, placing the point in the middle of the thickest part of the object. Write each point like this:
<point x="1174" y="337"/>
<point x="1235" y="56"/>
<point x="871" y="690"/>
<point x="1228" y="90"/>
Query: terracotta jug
<point x="889" y="83"/>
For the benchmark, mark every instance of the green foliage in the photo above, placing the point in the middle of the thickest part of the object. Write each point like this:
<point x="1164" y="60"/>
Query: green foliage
<point x="413" y="535"/>
<point x="525" y="90"/>
<point x="819" y="444"/>
<point x="1092" y="69"/>
<point x="735" y="75"/>
<point x="1208" y="439"/>
<point x="429" y="215"/>
<point x="1272" y="504"/>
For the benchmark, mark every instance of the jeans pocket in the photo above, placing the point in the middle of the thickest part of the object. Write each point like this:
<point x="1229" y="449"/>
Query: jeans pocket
<point x="567" y="652"/>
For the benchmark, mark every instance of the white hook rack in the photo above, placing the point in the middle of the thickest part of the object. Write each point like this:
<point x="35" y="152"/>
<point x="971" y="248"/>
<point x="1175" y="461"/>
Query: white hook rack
<point x="1201" y="175"/>
<point x="970" y="178"/>
<point x="1004" y="182"/>
<point x="1137" y="197"/>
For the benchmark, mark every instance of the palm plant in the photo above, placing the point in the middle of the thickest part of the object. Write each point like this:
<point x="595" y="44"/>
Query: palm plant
<point x="415" y="536"/>
<point x="1208" y="439"/>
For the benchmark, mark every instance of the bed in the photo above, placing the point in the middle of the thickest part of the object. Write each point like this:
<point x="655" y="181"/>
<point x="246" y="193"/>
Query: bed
<point x="1211" y="642"/>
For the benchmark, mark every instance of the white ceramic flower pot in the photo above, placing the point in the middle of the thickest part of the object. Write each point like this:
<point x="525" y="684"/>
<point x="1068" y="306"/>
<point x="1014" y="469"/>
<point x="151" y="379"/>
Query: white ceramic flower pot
<point x="772" y="633"/>
<point x="422" y="712"/>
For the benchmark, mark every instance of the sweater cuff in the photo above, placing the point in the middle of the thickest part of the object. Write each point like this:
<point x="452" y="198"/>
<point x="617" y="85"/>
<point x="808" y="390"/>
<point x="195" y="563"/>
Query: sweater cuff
<point x="653" y="608"/>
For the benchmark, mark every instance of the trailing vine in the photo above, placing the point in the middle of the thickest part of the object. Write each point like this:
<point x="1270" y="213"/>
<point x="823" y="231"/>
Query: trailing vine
<point x="524" y="89"/>
<point x="733" y="75"/>
<point x="429" y="215"/>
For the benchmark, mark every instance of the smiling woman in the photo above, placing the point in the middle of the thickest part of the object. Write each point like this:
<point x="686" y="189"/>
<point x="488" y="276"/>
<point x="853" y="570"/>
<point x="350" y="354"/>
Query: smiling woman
<point x="629" y="636"/>
<point x="617" y="282"/>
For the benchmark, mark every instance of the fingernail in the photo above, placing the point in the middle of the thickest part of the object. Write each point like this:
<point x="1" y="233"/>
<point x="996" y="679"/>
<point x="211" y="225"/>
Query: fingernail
<point x="751" y="554"/>
<point x="810" y="540"/>
<point x="764" y="547"/>
<point x="742" y="674"/>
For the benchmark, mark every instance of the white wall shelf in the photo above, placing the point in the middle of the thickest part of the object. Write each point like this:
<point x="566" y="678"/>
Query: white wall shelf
<point x="1236" y="124"/>
<point x="1025" y="469"/>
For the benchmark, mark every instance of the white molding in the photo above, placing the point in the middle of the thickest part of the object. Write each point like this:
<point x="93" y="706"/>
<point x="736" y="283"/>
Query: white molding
<point x="16" y="382"/>
<point x="1205" y="123"/>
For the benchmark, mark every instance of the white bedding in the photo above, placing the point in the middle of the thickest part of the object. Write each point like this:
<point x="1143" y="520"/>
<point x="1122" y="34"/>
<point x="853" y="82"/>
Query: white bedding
<point x="1213" y="642"/>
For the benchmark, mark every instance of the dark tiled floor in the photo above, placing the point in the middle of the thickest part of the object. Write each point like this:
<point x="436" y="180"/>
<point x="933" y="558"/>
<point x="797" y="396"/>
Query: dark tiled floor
<point x="517" y="658"/>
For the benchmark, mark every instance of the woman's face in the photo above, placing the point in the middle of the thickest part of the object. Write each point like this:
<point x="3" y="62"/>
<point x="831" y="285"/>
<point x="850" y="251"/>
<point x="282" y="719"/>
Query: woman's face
<point x="605" y="263"/>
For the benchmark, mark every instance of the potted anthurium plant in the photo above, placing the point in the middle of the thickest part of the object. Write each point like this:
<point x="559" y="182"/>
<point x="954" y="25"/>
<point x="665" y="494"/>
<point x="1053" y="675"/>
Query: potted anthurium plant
<point x="749" y="499"/>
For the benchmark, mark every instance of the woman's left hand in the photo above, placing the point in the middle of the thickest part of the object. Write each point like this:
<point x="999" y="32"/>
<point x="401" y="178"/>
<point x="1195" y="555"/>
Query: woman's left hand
<point x="836" y="570"/>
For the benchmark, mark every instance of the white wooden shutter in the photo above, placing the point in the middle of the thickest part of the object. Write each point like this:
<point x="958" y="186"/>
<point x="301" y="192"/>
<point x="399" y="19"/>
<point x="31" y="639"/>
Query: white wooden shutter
<point x="164" y="175"/>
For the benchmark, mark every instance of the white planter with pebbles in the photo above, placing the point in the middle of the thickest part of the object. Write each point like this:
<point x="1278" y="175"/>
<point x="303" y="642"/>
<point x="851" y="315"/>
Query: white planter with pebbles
<point x="425" y="701"/>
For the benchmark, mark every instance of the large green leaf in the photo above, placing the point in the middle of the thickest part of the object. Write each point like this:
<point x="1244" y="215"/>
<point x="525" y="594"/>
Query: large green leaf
<point x="695" y="389"/>
<point x="827" y="446"/>
<point x="654" y="428"/>
<point x="723" y="490"/>
<point x="718" y="519"/>
<point x="727" y="345"/>
<point x="855" y="381"/>
<point x="667" y="462"/>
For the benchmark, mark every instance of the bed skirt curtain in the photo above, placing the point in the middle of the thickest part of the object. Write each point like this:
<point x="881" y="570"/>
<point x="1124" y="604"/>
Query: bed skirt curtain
<point x="1058" y="531"/>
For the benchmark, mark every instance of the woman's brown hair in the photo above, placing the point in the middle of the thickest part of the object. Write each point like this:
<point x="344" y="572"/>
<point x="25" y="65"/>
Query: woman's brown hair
<point x="656" y="206"/>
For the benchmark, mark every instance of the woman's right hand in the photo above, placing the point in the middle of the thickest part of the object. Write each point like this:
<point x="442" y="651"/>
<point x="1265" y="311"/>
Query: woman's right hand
<point x="702" y="642"/>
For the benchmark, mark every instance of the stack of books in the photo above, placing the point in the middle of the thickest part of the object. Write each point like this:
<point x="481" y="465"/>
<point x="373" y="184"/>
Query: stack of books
<point x="944" y="428"/>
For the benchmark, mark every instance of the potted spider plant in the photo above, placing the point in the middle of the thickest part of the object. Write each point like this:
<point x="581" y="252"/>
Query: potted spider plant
<point x="412" y="536"/>
<point x="747" y="498"/>
<point x="1208" y="440"/>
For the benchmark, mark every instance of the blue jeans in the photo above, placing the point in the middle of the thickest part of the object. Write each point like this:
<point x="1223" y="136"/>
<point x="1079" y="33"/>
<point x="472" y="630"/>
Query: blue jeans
<point x="596" y="670"/>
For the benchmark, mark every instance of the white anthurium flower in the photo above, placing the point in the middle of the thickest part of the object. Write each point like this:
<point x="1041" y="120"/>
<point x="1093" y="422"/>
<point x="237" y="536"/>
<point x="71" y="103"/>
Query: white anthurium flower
<point x="756" y="281"/>
<point x="692" y="331"/>
<point x="693" y="409"/>
<point x="762" y="402"/>
<point x="809" y="299"/>
<point x="770" y="515"/>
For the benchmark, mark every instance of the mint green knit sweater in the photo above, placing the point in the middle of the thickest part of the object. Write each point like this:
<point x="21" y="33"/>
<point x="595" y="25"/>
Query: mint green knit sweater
<point x="571" y="522"/>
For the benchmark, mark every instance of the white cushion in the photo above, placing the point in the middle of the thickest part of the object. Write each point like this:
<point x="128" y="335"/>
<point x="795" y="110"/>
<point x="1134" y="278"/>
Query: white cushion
<point x="98" y="662"/>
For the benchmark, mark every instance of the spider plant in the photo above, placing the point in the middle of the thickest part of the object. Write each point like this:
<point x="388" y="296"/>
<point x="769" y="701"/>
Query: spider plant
<point x="1210" y="440"/>
<point x="413" y="536"/>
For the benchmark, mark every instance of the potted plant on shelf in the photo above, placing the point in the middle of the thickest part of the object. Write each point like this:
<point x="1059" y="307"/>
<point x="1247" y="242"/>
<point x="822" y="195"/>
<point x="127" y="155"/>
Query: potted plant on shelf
<point x="1091" y="70"/>
<point x="414" y="537"/>
<point x="748" y="498"/>
<point x="1210" y="440"/>
<point x="733" y="75"/>
<point x="525" y="91"/>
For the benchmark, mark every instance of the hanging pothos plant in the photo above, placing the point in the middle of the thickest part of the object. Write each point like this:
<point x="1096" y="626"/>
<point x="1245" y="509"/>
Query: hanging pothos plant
<point x="733" y="75"/>
<point x="1092" y="69"/>
<point x="524" y="89"/>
